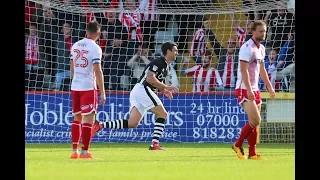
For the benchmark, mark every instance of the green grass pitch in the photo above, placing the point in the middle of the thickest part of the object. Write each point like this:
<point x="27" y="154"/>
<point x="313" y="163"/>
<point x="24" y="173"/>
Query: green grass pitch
<point x="180" y="161"/>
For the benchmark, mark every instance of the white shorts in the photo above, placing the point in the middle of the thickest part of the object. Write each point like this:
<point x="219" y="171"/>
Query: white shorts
<point x="143" y="98"/>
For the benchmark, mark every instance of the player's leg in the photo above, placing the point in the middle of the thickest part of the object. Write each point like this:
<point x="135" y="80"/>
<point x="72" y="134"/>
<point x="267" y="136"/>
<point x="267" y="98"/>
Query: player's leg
<point x="161" y="115"/>
<point x="88" y="121"/>
<point x="254" y="118"/>
<point x="253" y="136"/>
<point x="137" y="110"/>
<point x="88" y="104"/>
<point x="252" y="142"/>
<point x="136" y="114"/>
<point x="145" y="98"/>
<point x="76" y="124"/>
<point x="252" y="111"/>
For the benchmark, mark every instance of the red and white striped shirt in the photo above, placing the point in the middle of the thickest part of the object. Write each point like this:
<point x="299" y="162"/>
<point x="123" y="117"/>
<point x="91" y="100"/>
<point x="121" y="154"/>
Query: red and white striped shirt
<point x="32" y="50"/>
<point x="199" y="43"/>
<point x="148" y="9"/>
<point x="132" y="22"/>
<point x="228" y="77"/>
<point x="204" y="79"/>
<point x="241" y="35"/>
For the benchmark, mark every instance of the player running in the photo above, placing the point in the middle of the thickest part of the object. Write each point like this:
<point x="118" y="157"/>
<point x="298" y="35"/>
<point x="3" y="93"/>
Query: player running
<point x="143" y="97"/>
<point x="251" y="65"/>
<point x="86" y="73"/>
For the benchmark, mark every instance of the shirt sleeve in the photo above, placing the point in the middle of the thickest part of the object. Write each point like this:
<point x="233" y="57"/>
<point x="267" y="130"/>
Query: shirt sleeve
<point x="143" y="5"/>
<point x="240" y="32"/>
<point x="245" y="53"/>
<point x="192" y="70"/>
<point x="154" y="66"/>
<point x="97" y="55"/>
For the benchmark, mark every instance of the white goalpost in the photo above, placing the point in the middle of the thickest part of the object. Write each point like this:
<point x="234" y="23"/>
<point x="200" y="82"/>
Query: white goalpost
<point x="204" y="111"/>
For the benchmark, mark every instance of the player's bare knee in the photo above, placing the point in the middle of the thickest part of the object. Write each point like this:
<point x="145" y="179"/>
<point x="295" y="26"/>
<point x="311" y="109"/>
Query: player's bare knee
<point x="133" y="124"/>
<point x="133" y="121"/>
<point x="89" y="118"/>
<point x="162" y="114"/>
<point x="77" y="117"/>
<point x="135" y="118"/>
<point x="255" y="121"/>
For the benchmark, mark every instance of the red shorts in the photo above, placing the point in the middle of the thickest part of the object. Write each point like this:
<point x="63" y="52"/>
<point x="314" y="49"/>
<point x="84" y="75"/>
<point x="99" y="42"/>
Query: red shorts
<point x="242" y="95"/>
<point x="84" y="102"/>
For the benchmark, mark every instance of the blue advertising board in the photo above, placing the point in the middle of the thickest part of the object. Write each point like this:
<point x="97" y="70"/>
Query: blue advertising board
<point x="191" y="118"/>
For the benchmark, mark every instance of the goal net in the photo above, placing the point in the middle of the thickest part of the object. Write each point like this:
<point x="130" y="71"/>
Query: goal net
<point x="208" y="34"/>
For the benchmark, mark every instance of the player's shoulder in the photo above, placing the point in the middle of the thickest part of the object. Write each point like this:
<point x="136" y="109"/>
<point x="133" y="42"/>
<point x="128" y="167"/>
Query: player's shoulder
<point x="93" y="46"/>
<point x="247" y="46"/>
<point x="75" y="44"/>
<point x="159" y="62"/>
<point x="81" y="41"/>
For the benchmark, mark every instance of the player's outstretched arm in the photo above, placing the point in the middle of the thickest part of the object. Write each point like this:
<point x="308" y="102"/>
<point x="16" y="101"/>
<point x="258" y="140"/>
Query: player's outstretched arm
<point x="183" y="67"/>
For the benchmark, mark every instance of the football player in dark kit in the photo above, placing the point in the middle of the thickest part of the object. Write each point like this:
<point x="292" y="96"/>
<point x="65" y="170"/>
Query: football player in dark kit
<point x="143" y="97"/>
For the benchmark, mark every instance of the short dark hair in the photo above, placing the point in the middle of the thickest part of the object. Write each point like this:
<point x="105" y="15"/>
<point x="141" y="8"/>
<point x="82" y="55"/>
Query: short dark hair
<point x="167" y="46"/>
<point x="93" y="27"/>
<point x="273" y="49"/>
<point x="257" y="23"/>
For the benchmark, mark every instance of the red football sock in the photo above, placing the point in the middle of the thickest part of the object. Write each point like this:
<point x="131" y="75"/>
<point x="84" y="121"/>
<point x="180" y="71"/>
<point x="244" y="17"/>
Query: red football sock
<point x="246" y="130"/>
<point x="252" y="141"/>
<point x="86" y="135"/>
<point x="75" y="133"/>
